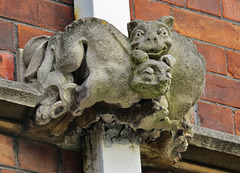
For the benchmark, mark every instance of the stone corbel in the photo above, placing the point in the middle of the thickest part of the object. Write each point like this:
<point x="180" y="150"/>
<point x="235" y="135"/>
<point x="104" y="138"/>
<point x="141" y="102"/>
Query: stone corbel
<point x="91" y="73"/>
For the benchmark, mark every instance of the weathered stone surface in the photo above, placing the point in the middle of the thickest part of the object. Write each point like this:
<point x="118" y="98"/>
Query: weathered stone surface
<point x="211" y="158"/>
<point x="215" y="140"/>
<point x="221" y="149"/>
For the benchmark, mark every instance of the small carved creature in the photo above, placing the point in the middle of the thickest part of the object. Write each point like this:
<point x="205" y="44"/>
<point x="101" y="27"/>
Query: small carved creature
<point x="151" y="66"/>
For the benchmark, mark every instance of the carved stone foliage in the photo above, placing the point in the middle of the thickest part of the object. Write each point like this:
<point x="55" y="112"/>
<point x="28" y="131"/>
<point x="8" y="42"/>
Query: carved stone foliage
<point x="149" y="81"/>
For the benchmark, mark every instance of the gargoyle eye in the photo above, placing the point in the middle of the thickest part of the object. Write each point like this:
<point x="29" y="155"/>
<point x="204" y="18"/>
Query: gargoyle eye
<point x="162" y="31"/>
<point x="139" y="33"/>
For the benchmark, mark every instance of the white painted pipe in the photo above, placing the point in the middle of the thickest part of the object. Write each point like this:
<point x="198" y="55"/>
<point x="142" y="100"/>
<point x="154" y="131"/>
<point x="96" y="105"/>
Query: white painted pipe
<point x="115" y="12"/>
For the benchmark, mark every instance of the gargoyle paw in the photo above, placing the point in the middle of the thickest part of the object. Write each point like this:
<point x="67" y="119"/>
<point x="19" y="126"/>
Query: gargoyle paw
<point x="43" y="115"/>
<point x="58" y="109"/>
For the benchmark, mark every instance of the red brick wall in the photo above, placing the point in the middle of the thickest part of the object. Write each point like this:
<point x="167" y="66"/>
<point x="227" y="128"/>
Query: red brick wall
<point x="17" y="154"/>
<point x="214" y="26"/>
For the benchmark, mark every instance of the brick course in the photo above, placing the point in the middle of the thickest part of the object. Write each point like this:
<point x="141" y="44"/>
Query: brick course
<point x="18" y="154"/>
<point x="37" y="12"/>
<point x="6" y="171"/>
<point x="231" y="9"/>
<point x="149" y="10"/>
<point x="7" y="37"/>
<point x="7" y="66"/>
<point x="38" y="157"/>
<point x="131" y="10"/>
<point x="207" y="28"/>
<point x="233" y="63"/>
<point x="6" y="151"/>
<point x="175" y="2"/>
<point x="72" y="161"/>
<point x="222" y="90"/>
<point x="215" y="58"/>
<point x="237" y="122"/>
<point x="216" y="117"/>
<point x="208" y="6"/>
<point x="25" y="33"/>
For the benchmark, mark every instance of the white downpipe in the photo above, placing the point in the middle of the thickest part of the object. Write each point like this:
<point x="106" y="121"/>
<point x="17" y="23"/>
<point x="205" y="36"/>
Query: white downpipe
<point x="115" y="12"/>
<point x="111" y="156"/>
<point x="104" y="156"/>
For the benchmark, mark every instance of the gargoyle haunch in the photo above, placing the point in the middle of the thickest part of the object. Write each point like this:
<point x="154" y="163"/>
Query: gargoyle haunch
<point x="91" y="62"/>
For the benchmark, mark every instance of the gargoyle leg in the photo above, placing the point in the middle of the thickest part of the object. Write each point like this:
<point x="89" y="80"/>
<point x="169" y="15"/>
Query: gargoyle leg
<point x="160" y="104"/>
<point x="84" y="98"/>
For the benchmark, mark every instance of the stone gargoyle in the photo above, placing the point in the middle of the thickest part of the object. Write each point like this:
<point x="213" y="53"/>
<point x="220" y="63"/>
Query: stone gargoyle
<point x="92" y="62"/>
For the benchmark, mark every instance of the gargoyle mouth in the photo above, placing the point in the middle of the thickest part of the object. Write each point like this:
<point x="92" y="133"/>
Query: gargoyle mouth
<point x="157" y="54"/>
<point x="148" y="90"/>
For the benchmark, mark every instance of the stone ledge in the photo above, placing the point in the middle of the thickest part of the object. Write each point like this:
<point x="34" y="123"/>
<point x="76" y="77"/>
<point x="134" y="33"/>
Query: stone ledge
<point x="216" y="141"/>
<point x="208" y="151"/>
<point x="19" y="93"/>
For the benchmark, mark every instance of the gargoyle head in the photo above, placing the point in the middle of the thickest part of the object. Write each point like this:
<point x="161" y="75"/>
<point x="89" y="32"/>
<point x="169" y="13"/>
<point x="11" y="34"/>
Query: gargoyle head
<point x="152" y="37"/>
<point x="150" y="42"/>
<point x="152" y="78"/>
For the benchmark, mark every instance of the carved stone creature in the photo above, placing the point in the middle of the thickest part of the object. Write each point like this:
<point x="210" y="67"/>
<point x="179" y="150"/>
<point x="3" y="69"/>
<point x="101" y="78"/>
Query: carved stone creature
<point x="91" y="62"/>
<point x="105" y="66"/>
<point x="151" y="66"/>
<point x="153" y="40"/>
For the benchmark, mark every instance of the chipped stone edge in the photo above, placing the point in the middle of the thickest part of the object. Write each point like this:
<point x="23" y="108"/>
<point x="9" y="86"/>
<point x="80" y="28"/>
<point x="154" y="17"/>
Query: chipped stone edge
<point x="215" y="140"/>
<point x="19" y="93"/>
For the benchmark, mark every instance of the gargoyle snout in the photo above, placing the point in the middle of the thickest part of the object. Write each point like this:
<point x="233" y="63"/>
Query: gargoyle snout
<point x="151" y="38"/>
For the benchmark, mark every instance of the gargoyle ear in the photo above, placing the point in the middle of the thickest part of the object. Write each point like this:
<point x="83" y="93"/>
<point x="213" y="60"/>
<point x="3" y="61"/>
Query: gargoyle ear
<point x="131" y="25"/>
<point x="168" y="20"/>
